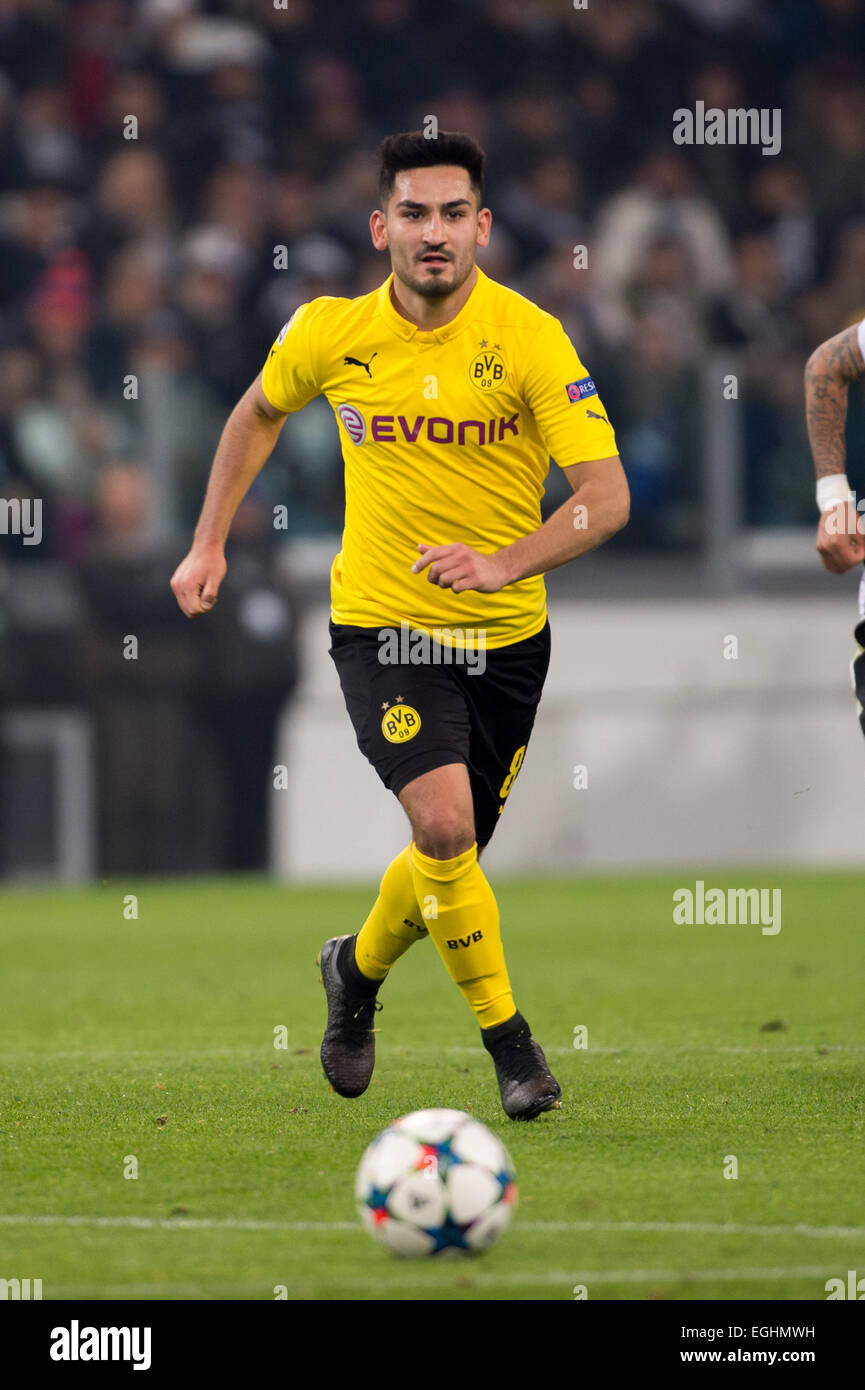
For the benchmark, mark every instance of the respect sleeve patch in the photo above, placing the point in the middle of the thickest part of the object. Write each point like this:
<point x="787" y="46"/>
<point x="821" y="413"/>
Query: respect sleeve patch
<point x="578" y="390"/>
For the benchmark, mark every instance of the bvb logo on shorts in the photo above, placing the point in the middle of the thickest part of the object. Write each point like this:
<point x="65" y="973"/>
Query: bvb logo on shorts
<point x="488" y="370"/>
<point x="400" y="723"/>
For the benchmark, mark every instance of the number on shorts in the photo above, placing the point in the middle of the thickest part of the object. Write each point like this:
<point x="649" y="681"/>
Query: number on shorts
<point x="516" y="764"/>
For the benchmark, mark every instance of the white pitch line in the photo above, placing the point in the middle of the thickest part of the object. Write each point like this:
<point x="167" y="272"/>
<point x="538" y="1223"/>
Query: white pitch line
<point x="465" y="1278"/>
<point x="678" y="1051"/>
<point x="697" y="1228"/>
<point x="184" y="1223"/>
<point x="651" y="1276"/>
<point x="180" y="1223"/>
<point x="168" y="1055"/>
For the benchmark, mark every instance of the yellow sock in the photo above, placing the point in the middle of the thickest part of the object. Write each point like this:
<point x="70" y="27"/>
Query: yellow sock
<point x="462" y="916"/>
<point x="394" y="924"/>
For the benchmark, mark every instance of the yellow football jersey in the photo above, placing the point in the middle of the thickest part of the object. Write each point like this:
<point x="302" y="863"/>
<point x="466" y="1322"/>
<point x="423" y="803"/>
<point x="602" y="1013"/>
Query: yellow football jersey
<point x="446" y="436"/>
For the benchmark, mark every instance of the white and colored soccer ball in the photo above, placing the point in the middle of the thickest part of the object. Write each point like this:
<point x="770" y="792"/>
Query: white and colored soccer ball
<point x="436" y="1181"/>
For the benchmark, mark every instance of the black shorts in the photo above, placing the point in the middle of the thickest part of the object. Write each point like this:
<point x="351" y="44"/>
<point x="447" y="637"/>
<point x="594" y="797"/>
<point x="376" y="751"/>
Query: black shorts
<point x="858" y="668"/>
<point x="411" y="718"/>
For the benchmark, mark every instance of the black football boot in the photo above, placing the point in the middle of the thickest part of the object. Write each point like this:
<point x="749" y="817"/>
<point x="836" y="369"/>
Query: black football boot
<point x="348" y="1046"/>
<point x="527" y="1085"/>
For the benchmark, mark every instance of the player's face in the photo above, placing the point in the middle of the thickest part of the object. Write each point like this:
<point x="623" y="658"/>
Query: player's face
<point x="432" y="227"/>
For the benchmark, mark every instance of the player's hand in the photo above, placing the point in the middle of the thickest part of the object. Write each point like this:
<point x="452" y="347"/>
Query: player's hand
<point x="195" y="583"/>
<point x="841" y="538"/>
<point x="458" y="567"/>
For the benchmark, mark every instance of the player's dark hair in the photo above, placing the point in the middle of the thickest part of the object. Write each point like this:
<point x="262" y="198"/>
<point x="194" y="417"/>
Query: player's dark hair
<point x="413" y="150"/>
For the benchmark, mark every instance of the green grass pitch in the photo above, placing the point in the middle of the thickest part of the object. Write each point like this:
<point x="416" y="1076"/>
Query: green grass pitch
<point x="154" y="1039"/>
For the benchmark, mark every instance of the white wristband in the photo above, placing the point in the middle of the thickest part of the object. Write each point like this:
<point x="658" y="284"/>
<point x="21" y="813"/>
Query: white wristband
<point x="832" y="489"/>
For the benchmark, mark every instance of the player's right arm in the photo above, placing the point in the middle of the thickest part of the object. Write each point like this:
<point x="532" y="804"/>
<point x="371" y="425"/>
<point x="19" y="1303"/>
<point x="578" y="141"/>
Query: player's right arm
<point x="828" y="373"/>
<point x="246" y="443"/>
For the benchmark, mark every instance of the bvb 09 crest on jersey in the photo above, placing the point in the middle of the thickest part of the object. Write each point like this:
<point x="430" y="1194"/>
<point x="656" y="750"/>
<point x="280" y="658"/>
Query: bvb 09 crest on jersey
<point x="488" y="370"/>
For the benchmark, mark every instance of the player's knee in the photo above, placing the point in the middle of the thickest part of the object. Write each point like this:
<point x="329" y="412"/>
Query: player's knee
<point x="443" y="832"/>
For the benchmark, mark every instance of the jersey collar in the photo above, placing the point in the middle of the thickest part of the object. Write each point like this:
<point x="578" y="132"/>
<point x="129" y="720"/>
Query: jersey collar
<point x="403" y="329"/>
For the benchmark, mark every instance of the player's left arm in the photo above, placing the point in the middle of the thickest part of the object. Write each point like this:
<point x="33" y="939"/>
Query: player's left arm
<point x="599" y="508"/>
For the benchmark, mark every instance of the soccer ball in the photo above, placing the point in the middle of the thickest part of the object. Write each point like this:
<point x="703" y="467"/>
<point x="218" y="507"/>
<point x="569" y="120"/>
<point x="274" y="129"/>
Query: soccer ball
<point x="436" y="1181"/>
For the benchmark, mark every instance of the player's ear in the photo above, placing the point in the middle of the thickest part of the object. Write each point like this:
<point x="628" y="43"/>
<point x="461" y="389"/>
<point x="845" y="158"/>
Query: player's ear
<point x="378" y="230"/>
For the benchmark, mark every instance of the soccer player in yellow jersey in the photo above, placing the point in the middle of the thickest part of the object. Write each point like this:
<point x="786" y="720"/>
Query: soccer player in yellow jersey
<point x="451" y="392"/>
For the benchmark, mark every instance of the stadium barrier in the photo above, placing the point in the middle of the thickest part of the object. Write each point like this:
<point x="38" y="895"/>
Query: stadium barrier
<point x="689" y="732"/>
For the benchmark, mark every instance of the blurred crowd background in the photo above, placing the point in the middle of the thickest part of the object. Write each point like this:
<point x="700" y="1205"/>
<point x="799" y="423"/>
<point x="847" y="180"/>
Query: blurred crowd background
<point x="151" y="260"/>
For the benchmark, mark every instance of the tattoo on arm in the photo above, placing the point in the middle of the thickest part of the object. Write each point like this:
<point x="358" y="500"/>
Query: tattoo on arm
<point x="830" y="369"/>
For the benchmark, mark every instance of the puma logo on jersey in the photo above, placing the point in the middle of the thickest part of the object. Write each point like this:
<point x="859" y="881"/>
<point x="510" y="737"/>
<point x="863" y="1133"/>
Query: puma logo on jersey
<point x="353" y="362"/>
<point x="595" y="416"/>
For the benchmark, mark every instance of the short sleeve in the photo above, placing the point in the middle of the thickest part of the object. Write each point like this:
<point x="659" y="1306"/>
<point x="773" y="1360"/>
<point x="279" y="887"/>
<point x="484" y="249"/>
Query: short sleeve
<point x="288" y="377"/>
<point x="564" y="400"/>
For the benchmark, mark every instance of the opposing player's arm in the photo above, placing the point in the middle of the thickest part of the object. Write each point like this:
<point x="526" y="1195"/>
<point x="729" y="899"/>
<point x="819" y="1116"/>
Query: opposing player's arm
<point x="245" y="445"/>
<point x="828" y="373"/>
<point x="601" y="508"/>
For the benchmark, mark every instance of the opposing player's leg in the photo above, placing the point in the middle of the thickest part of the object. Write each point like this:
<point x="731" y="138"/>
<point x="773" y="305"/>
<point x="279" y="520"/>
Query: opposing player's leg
<point x="857" y="666"/>
<point x="462" y="917"/>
